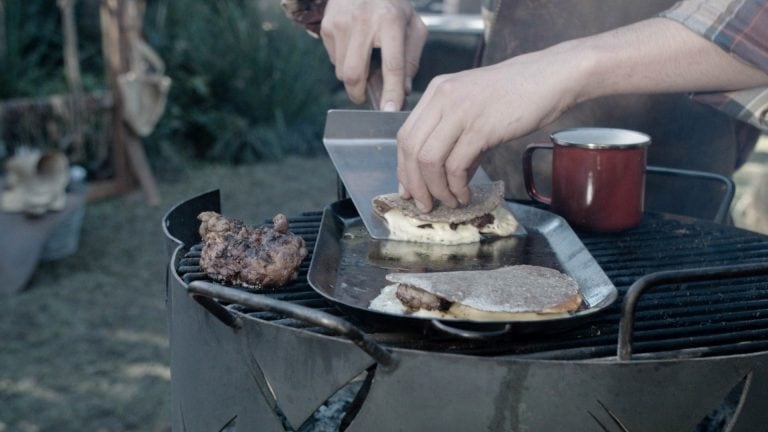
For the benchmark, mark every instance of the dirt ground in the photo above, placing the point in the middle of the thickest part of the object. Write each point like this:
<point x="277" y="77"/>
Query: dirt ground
<point x="85" y="347"/>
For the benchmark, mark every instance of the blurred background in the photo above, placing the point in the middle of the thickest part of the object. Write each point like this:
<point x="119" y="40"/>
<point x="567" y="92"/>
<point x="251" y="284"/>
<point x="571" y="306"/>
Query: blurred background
<point x="152" y="102"/>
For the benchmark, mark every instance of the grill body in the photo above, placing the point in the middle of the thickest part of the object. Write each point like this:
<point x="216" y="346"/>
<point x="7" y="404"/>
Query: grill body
<point x="266" y="373"/>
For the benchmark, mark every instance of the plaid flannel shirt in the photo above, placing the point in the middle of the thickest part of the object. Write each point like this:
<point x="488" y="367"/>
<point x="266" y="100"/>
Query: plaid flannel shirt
<point x="740" y="27"/>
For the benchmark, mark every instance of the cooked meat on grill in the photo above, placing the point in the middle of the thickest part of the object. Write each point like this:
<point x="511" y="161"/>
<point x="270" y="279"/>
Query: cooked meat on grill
<point x="484" y="215"/>
<point x="259" y="257"/>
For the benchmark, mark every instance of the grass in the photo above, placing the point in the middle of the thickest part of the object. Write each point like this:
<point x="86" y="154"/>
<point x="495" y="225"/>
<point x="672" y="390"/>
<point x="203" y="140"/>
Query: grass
<point x="85" y="347"/>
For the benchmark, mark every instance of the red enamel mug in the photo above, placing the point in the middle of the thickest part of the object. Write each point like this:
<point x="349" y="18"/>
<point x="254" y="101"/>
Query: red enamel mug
<point x="598" y="177"/>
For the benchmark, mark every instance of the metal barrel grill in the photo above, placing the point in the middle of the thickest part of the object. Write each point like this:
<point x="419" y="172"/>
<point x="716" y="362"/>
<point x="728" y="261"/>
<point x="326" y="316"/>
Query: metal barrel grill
<point x="684" y="349"/>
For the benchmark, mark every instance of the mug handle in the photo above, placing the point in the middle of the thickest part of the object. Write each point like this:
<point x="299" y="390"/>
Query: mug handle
<point x="530" y="187"/>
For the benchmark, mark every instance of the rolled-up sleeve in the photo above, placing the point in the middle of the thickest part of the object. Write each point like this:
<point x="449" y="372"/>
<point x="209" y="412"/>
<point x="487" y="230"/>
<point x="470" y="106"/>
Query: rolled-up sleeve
<point x="740" y="27"/>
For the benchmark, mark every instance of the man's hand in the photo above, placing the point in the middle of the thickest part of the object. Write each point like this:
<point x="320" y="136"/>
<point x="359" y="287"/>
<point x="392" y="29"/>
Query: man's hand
<point x="461" y="115"/>
<point x="351" y="29"/>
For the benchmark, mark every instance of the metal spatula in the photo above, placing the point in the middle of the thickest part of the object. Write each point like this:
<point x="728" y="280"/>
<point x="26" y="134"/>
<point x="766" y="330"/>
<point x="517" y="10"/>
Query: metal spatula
<point x="363" y="147"/>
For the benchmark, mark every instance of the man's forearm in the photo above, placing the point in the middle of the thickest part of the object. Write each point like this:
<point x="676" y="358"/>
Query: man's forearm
<point x="655" y="56"/>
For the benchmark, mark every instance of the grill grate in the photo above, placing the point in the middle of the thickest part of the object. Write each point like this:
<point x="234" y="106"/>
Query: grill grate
<point x="698" y="319"/>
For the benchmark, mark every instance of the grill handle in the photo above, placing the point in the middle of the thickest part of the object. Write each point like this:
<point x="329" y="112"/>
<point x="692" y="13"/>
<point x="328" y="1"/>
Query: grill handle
<point x="730" y="187"/>
<point x="210" y="291"/>
<point x="629" y="304"/>
<point x="470" y="334"/>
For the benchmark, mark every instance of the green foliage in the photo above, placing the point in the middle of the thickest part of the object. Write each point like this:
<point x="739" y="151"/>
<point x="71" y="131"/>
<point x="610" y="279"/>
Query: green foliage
<point x="31" y="58"/>
<point x="248" y="84"/>
<point x="31" y="39"/>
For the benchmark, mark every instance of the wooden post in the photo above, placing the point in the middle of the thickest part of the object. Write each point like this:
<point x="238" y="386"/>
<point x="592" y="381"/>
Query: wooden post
<point x="120" y="19"/>
<point x="72" y="72"/>
<point x="3" y="41"/>
<point x="132" y="21"/>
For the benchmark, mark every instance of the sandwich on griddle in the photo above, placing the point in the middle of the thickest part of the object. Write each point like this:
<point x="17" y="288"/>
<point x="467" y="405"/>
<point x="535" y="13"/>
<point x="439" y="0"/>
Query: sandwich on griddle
<point x="484" y="215"/>
<point x="520" y="292"/>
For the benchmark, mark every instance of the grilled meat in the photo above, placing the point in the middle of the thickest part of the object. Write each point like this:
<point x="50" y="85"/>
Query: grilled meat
<point x="415" y="298"/>
<point x="260" y="257"/>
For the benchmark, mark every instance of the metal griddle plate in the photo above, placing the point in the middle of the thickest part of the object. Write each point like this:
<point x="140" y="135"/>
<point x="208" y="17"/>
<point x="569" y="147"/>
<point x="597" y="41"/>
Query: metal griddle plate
<point x="349" y="267"/>
<point x="363" y="148"/>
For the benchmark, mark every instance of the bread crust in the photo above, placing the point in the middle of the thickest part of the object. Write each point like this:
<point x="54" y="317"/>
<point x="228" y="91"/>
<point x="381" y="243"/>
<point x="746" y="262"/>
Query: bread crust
<point x="485" y="198"/>
<point x="509" y="289"/>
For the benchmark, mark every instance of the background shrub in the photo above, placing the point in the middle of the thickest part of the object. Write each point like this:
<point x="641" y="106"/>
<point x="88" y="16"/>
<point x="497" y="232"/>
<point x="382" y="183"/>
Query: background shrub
<point x="31" y="59"/>
<point x="31" y="64"/>
<point x="248" y="84"/>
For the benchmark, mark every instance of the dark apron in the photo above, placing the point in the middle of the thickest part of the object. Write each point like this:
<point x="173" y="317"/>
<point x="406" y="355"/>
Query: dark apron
<point x="685" y="134"/>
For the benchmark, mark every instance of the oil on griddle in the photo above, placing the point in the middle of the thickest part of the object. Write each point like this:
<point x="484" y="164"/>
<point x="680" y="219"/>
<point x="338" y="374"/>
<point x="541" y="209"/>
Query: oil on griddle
<point x="365" y="262"/>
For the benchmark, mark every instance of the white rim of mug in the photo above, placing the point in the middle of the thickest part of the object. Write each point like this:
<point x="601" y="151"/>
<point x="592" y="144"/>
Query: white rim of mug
<point x="643" y="140"/>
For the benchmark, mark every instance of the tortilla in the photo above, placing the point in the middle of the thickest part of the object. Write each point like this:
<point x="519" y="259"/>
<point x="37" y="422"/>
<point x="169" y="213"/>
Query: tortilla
<point x="518" y="292"/>
<point x="485" y="214"/>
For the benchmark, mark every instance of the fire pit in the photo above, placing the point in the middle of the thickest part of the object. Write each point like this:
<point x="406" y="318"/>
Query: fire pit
<point x="684" y="349"/>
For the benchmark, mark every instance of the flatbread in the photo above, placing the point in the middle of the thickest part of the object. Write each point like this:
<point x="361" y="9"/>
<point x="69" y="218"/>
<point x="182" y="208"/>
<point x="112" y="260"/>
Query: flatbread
<point x="485" y="198"/>
<point x="485" y="214"/>
<point x="511" y="292"/>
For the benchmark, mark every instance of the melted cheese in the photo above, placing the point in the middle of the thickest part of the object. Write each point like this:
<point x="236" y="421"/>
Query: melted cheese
<point x="504" y="223"/>
<point x="405" y="228"/>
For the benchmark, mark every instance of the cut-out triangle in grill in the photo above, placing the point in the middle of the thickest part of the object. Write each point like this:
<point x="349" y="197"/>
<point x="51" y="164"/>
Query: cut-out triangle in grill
<point x="308" y="371"/>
